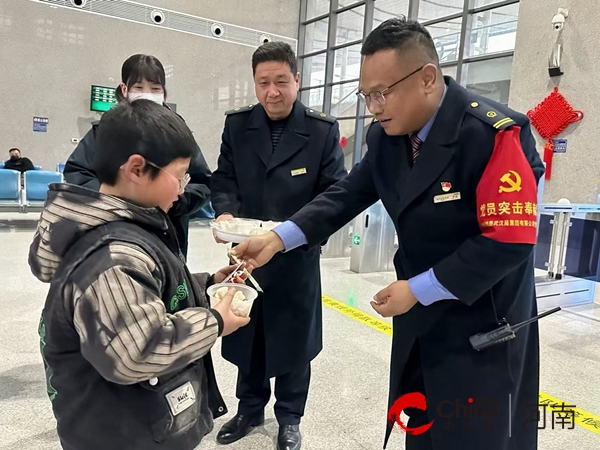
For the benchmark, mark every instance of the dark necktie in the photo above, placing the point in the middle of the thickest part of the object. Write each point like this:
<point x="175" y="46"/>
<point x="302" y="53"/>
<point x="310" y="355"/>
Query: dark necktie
<point x="416" y="145"/>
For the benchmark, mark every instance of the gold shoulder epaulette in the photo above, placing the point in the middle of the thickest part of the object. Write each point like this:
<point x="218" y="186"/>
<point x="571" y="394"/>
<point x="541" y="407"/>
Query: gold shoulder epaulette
<point x="239" y="109"/>
<point x="489" y="115"/>
<point x="319" y="115"/>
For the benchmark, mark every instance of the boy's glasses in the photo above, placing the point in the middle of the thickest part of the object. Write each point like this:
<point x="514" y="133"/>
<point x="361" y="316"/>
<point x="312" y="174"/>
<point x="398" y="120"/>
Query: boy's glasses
<point x="183" y="182"/>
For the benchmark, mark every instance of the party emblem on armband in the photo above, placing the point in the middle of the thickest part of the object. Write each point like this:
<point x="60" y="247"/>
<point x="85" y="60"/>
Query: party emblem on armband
<point x="511" y="182"/>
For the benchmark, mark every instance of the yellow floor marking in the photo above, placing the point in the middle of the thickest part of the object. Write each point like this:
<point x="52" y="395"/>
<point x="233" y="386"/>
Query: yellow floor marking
<point x="583" y="418"/>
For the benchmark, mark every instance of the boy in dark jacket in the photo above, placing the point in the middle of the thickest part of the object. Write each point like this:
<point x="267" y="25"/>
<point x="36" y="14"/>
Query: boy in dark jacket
<point x="126" y="330"/>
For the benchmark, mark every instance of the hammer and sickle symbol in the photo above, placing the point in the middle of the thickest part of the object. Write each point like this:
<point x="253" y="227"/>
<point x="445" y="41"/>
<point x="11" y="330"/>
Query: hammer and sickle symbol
<point x="514" y="183"/>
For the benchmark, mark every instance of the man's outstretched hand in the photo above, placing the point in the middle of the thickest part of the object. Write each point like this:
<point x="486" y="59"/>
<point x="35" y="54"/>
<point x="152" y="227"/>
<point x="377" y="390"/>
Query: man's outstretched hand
<point x="258" y="250"/>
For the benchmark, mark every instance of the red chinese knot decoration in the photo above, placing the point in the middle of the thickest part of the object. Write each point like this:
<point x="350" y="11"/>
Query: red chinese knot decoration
<point x="343" y="142"/>
<point x="550" y="118"/>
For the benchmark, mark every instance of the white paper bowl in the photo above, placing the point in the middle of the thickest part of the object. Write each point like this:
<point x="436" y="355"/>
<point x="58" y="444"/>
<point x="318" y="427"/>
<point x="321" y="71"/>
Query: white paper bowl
<point x="239" y="307"/>
<point x="222" y="232"/>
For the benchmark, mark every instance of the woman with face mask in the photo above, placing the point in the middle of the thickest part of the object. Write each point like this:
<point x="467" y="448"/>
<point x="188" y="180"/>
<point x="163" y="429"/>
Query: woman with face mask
<point x="143" y="77"/>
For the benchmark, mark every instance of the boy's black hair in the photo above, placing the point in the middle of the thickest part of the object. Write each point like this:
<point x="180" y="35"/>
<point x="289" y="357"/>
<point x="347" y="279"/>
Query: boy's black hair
<point x="275" y="51"/>
<point x="141" y="128"/>
<point x="142" y="67"/>
<point x="400" y="34"/>
<point x="14" y="149"/>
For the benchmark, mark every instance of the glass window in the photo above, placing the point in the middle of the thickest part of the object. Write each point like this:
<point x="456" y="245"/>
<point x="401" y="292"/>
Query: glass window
<point x="450" y="71"/>
<point x="313" y="70"/>
<point x="386" y="9"/>
<point x="315" y="8"/>
<point x="480" y="3"/>
<point x="446" y="36"/>
<point x="350" y="25"/>
<point x="434" y="9"/>
<point x="344" y="3"/>
<point x="315" y="36"/>
<point x="493" y="31"/>
<point x="365" y="147"/>
<point x="347" y="63"/>
<point x="347" y="132"/>
<point x="344" y="99"/>
<point x="313" y="98"/>
<point x="490" y="78"/>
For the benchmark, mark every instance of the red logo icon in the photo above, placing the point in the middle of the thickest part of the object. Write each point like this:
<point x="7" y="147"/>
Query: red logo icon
<point x="414" y="400"/>
<point x="446" y="186"/>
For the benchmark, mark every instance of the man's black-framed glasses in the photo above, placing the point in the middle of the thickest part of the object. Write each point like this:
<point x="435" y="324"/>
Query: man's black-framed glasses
<point x="378" y="96"/>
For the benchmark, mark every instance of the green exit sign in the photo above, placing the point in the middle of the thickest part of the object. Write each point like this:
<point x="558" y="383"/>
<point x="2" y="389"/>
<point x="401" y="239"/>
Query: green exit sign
<point x="356" y="239"/>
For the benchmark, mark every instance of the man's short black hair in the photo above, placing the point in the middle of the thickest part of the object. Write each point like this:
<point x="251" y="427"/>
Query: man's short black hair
<point x="14" y="150"/>
<point x="400" y="34"/>
<point x="141" y="128"/>
<point x="275" y="51"/>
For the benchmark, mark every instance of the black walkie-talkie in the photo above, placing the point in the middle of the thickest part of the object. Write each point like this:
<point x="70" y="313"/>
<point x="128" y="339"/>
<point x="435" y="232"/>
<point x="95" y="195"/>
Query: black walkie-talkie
<point x="504" y="333"/>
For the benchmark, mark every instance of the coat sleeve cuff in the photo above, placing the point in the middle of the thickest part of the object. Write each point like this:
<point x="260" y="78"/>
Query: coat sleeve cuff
<point x="219" y="318"/>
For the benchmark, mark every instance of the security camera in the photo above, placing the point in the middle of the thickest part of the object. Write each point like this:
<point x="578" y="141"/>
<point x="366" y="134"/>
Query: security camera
<point x="558" y="21"/>
<point x="157" y="16"/>
<point x="265" y="38"/>
<point x="78" y="3"/>
<point x="217" y="29"/>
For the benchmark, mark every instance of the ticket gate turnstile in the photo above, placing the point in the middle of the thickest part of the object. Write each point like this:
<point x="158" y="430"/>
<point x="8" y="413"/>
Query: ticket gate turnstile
<point x="374" y="241"/>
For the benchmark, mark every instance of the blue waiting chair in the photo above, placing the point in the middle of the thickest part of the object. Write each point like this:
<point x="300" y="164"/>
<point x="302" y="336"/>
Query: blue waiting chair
<point x="35" y="186"/>
<point x="60" y="167"/>
<point x="10" y="188"/>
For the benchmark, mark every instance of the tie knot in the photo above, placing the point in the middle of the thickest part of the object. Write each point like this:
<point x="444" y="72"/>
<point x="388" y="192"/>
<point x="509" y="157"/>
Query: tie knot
<point x="416" y="145"/>
<point x="415" y="141"/>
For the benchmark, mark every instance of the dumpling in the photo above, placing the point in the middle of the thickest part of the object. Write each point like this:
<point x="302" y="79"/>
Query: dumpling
<point x="221" y="292"/>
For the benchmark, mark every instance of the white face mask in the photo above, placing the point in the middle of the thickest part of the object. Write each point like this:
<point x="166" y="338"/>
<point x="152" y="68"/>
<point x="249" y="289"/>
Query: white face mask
<point x="156" y="98"/>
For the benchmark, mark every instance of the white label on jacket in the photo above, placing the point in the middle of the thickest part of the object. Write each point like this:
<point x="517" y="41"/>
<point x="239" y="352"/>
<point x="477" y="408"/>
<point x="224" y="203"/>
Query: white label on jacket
<point x="297" y="172"/>
<point x="446" y="197"/>
<point x="181" y="398"/>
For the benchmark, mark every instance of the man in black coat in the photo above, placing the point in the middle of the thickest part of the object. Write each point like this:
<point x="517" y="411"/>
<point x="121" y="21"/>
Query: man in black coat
<point x="18" y="162"/>
<point x="276" y="156"/>
<point x="79" y="170"/>
<point x="458" y="175"/>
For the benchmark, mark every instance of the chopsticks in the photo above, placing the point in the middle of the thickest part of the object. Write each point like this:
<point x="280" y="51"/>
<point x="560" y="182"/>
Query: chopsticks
<point x="250" y="277"/>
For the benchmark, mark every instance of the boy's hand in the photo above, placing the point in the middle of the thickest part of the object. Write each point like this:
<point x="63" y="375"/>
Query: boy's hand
<point x="223" y="273"/>
<point x="231" y="322"/>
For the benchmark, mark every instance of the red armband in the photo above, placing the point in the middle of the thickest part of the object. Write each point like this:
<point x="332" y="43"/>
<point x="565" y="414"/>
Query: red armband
<point x="507" y="193"/>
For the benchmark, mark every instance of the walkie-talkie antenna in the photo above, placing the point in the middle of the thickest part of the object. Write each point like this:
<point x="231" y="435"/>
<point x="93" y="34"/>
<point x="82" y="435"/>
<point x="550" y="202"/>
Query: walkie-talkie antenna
<point x="518" y="326"/>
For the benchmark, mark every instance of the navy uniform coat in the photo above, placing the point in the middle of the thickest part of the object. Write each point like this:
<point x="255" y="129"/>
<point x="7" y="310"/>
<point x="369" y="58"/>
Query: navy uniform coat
<point x="492" y="279"/>
<point x="253" y="181"/>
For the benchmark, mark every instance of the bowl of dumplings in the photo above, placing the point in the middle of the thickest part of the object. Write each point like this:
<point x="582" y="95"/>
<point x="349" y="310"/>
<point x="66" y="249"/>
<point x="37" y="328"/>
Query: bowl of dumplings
<point x="242" y="300"/>
<point x="237" y="229"/>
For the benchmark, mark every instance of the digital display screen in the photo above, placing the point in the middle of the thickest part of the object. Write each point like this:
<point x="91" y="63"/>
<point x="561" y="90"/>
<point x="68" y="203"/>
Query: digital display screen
<point x="102" y="98"/>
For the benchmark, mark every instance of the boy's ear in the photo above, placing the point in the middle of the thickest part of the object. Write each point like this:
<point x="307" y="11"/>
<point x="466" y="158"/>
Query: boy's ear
<point x="134" y="168"/>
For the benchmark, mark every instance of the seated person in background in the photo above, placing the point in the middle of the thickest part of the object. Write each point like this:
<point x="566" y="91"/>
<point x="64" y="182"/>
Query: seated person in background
<point x="17" y="162"/>
<point x="126" y="330"/>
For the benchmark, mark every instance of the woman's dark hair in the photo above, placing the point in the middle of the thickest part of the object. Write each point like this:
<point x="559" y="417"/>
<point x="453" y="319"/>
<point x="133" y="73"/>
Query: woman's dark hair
<point x="141" y="128"/>
<point x="142" y="67"/>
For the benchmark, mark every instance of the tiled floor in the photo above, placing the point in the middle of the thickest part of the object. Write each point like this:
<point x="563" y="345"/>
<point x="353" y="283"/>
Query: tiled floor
<point x="347" y="404"/>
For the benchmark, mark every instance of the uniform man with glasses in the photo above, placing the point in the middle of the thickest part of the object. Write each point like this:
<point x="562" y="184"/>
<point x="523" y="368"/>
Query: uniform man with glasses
<point x="458" y="175"/>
